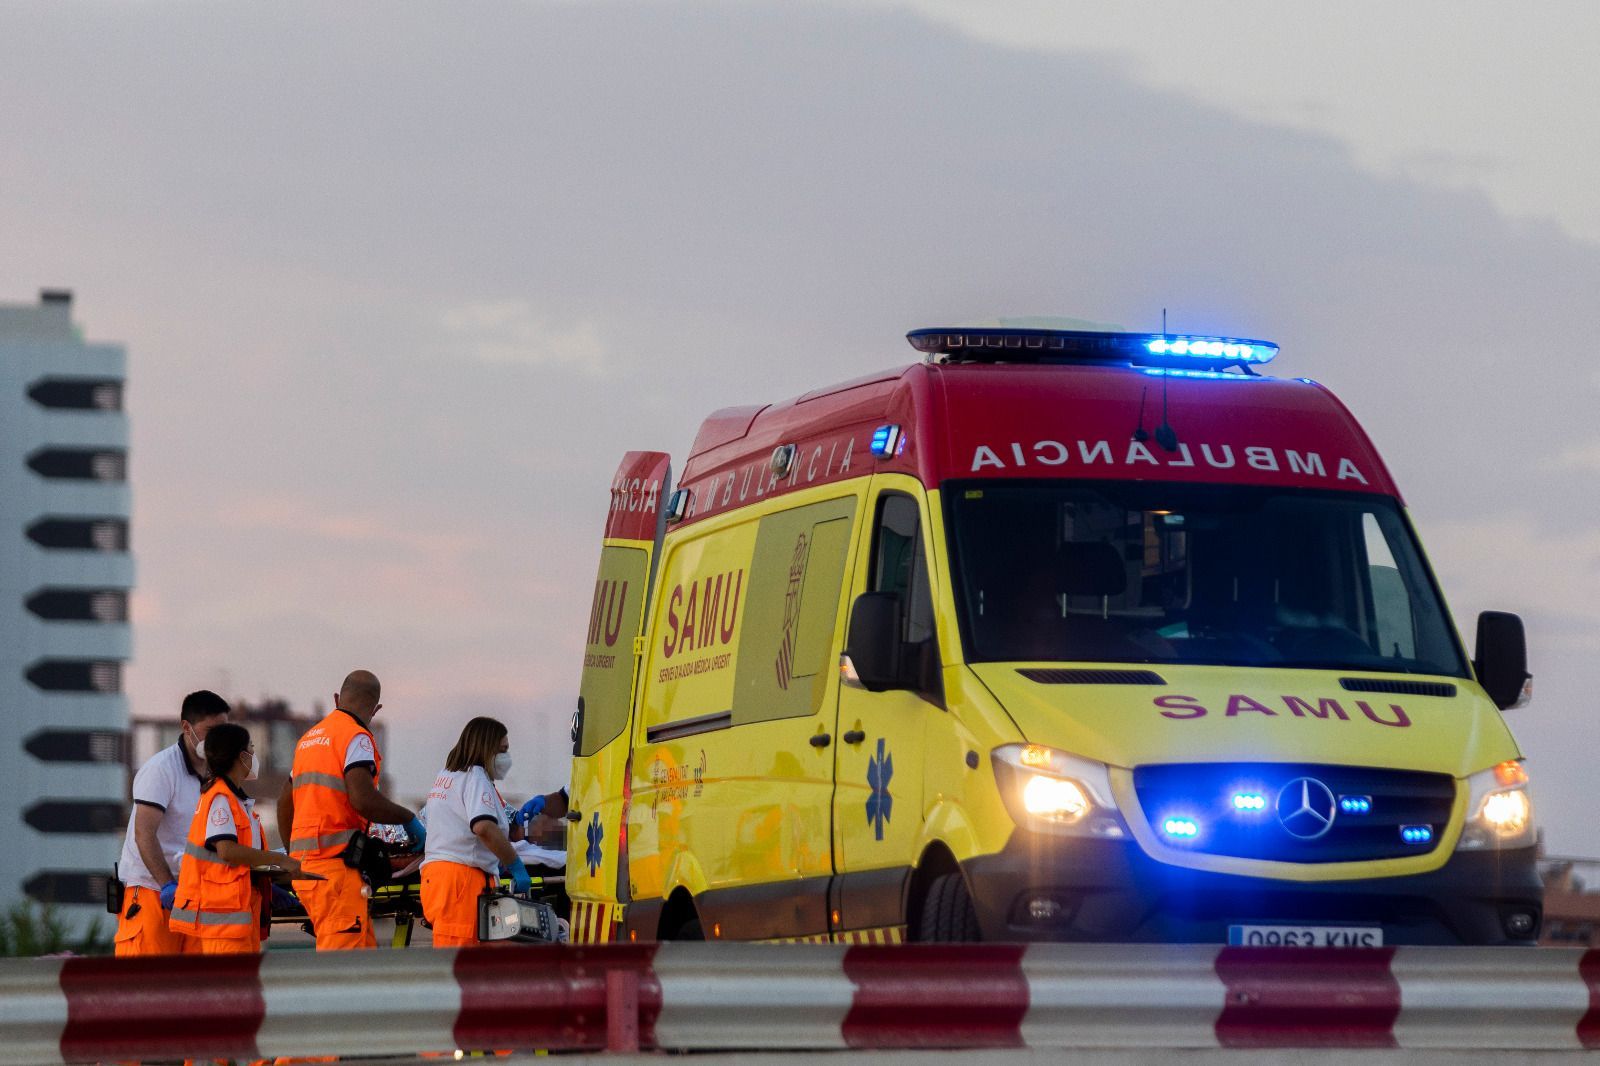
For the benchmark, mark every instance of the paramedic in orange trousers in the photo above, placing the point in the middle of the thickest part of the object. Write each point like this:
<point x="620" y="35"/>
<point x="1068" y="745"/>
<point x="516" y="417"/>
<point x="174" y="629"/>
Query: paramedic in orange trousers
<point x="331" y="797"/>
<point x="220" y="903"/>
<point x="470" y="831"/>
<point x="166" y="791"/>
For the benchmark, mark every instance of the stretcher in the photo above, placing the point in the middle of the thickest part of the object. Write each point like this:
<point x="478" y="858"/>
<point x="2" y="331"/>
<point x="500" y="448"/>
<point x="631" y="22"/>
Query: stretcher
<point x="401" y="900"/>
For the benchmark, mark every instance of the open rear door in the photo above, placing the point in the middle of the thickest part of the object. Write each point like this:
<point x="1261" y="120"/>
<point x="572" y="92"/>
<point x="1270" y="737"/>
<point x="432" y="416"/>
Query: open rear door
<point x="596" y="846"/>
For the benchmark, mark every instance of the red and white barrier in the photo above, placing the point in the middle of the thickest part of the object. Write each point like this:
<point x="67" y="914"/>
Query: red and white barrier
<point x="749" y="996"/>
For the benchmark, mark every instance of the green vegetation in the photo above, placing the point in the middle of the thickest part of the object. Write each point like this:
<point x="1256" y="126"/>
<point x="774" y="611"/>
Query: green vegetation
<point x="28" y="929"/>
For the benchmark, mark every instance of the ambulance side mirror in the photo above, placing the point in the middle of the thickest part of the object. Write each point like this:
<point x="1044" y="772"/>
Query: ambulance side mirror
<point x="874" y="644"/>
<point x="1502" y="658"/>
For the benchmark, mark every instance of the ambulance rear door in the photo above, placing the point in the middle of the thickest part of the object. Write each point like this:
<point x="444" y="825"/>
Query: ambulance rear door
<point x="597" y="876"/>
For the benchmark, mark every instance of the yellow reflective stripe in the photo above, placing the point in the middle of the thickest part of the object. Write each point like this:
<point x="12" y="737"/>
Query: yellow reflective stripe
<point x="213" y="917"/>
<point x="331" y="840"/>
<point x="314" y="777"/>
<point x="203" y="854"/>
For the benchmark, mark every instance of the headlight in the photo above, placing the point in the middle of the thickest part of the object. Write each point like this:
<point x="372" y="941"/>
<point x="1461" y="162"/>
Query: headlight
<point x="1054" y="799"/>
<point x="1499" y="809"/>
<point x="1052" y="791"/>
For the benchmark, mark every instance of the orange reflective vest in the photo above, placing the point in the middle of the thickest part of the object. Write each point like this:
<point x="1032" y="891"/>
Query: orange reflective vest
<point x="216" y="899"/>
<point x="324" y="820"/>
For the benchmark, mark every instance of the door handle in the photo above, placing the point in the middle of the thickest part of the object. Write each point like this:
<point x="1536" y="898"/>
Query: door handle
<point x="821" y="740"/>
<point x="574" y="816"/>
<point x="855" y="736"/>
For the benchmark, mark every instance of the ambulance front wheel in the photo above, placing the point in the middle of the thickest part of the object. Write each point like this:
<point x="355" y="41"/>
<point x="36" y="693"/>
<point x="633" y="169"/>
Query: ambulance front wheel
<point x="947" y="913"/>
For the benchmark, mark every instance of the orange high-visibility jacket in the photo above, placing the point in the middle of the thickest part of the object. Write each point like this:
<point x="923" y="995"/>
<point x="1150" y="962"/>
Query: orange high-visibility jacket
<point x="324" y="820"/>
<point x="216" y="899"/>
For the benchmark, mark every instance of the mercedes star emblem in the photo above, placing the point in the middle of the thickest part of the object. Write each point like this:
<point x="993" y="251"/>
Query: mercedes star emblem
<point x="1306" y="808"/>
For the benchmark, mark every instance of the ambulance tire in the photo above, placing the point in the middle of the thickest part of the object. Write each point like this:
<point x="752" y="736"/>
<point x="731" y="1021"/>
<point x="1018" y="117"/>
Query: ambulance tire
<point x="947" y="913"/>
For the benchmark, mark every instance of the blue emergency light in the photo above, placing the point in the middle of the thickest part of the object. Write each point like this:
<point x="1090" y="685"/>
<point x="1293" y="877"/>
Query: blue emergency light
<point x="1209" y="375"/>
<point x="1416" y="834"/>
<point x="1249" y="801"/>
<point x="1181" y="828"/>
<point x="885" y="441"/>
<point x="1355" y="804"/>
<point x="1033" y="340"/>
<point x="1231" y="351"/>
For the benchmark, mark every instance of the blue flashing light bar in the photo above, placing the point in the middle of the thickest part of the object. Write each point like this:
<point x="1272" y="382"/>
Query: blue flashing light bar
<point x="1249" y="801"/>
<point x="1213" y="348"/>
<point x="1416" y="834"/>
<point x="886" y="441"/>
<point x="1181" y="828"/>
<point x="1040" y="341"/>
<point x="1355" y="804"/>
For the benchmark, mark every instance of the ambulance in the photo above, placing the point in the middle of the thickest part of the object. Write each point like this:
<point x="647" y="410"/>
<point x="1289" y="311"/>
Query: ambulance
<point x="1062" y="633"/>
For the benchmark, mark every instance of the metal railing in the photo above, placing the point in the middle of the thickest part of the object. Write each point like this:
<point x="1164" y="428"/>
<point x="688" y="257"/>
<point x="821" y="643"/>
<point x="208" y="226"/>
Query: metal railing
<point x="749" y="996"/>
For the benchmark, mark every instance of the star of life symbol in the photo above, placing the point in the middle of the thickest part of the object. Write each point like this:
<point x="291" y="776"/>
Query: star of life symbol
<point x="596" y="833"/>
<point x="1306" y="808"/>
<point x="880" y="804"/>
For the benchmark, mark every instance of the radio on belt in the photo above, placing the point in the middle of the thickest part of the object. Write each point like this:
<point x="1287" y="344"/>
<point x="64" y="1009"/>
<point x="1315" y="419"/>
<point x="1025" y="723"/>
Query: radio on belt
<point x="503" y="916"/>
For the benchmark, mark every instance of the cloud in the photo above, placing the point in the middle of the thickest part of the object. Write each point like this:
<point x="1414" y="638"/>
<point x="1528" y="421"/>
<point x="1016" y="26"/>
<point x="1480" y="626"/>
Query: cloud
<point x="511" y="332"/>
<point x="1578" y="457"/>
<point x="1511" y="562"/>
<point x="1447" y="166"/>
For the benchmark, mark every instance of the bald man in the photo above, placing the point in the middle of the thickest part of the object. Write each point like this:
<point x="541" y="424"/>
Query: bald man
<point x="331" y="797"/>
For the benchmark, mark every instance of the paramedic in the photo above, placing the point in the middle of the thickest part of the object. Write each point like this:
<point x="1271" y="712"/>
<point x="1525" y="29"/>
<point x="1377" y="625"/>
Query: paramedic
<point x="219" y="901"/>
<point x="166" y="791"/>
<point x="469" y="834"/>
<point x="331" y="797"/>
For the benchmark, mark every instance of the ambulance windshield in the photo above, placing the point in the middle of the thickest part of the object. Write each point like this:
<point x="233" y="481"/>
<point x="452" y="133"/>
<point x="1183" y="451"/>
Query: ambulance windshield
<point x="1151" y="572"/>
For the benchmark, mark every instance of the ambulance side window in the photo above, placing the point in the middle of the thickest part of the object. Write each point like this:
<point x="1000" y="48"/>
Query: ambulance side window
<point x="900" y="565"/>
<point x="787" y="654"/>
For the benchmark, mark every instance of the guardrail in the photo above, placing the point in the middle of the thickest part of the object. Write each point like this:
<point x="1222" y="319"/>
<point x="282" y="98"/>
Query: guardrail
<point x="751" y="996"/>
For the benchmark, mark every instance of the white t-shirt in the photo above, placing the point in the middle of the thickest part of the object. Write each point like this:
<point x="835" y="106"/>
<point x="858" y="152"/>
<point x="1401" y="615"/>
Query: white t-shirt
<point x="219" y="823"/>
<point x="169" y="784"/>
<point x="360" y="751"/>
<point x="458" y="800"/>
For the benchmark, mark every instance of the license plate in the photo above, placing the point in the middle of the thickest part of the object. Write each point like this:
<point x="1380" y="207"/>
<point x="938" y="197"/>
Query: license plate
<point x="1305" y="936"/>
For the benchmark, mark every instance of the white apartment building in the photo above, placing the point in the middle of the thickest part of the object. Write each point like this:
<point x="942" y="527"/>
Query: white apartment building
<point x="65" y="573"/>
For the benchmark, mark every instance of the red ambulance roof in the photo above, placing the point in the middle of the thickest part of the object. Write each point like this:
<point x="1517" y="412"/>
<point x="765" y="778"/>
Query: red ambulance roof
<point x="1039" y="421"/>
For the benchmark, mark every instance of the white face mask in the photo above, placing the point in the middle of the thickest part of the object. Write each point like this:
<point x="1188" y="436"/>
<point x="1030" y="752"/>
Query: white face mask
<point x="255" y="765"/>
<point x="502" y="766"/>
<point x="200" y="750"/>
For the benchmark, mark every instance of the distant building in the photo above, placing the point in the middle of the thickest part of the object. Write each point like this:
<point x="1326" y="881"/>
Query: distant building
<point x="1571" y="901"/>
<point x="65" y="573"/>
<point x="275" y="729"/>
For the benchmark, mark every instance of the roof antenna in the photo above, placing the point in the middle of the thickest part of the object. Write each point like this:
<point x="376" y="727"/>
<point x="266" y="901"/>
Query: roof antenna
<point x="1166" y="436"/>
<point x="1141" y="434"/>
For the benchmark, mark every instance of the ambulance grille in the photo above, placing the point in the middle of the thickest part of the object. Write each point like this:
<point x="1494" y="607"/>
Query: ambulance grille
<point x="1205" y="793"/>
<point x="1093" y="677"/>
<point x="1397" y="688"/>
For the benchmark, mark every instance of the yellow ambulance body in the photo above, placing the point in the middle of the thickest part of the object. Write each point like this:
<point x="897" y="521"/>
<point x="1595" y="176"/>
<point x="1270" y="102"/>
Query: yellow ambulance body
<point x="1057" y="635"/>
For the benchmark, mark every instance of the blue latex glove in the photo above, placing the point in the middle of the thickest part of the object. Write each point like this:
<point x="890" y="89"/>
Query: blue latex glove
<point x="521" y="883"/>
<point x="532" y="809"/>
<point x="283" y="900"/>
<point x="418" y="835"/>
<point x="169" y="895"/>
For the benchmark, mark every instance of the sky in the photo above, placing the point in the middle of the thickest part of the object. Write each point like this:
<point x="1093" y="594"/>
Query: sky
<point x="400" y="286"/>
